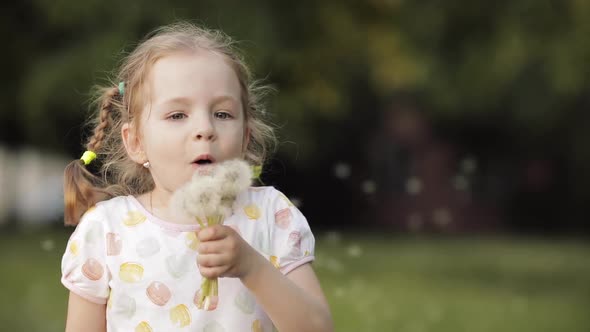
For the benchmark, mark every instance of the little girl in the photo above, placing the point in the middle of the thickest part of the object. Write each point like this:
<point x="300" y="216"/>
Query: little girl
<point x="183" y="99"/>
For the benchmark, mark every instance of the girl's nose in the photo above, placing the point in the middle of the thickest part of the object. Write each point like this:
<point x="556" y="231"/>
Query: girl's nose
<point x="204" y="128"/>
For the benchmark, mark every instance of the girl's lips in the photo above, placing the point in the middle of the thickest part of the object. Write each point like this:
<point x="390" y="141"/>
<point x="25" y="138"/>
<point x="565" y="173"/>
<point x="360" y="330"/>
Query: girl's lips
<point x="204" y="157"/>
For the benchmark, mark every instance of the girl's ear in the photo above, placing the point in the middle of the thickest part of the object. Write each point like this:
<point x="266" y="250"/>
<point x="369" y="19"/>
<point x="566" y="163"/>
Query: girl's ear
<point x="132" y="143"/>
<point x="246" y="140"/>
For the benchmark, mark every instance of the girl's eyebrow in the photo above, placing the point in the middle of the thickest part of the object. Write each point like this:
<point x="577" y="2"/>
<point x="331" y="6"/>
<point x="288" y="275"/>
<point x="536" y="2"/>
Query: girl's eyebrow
<point x="186" y="101"/>
<point x="224" y="98"/>
<point x="176" y="100"/>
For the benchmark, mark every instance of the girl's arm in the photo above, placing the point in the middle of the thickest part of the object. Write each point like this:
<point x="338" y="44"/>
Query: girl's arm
<point x="294" y="302"/>
<point x="84" y="315"/>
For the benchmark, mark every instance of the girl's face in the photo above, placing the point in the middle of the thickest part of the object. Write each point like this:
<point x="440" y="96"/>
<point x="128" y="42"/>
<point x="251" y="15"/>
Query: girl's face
<point x="195" y="113"/>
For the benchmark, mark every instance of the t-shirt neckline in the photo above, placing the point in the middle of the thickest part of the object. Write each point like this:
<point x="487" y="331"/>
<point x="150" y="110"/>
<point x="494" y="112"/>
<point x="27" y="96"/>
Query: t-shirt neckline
<point x="161" y="222"/>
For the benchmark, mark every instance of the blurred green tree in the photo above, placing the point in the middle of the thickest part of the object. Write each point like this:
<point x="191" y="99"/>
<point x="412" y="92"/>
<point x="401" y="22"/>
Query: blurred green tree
<point x="519" y="68"/>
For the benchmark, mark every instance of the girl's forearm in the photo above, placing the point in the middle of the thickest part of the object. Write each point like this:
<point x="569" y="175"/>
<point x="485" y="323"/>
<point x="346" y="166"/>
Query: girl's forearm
<point x="84" y="315"/>
<point x="288" y="306"/>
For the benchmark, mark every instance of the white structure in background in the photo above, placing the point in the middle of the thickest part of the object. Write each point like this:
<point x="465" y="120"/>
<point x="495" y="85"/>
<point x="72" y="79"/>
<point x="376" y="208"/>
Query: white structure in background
<point x="31" y="186"/>
<point x="6" y="192"/>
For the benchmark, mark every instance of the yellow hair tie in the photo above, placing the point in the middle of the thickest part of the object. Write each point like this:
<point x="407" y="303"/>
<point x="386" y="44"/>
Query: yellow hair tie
<point x="88" y="157"/>
<point x="256" y="171"/>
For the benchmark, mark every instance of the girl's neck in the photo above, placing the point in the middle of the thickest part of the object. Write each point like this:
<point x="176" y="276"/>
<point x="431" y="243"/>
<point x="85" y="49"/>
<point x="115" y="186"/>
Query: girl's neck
<point x="157" y="203"/>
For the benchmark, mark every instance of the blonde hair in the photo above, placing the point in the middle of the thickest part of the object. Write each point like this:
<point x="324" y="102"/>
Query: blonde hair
<point x="118" y="174"/>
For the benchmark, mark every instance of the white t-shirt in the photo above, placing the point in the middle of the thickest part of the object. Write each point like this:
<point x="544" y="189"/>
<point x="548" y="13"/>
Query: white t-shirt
<point x="146" y="270"/>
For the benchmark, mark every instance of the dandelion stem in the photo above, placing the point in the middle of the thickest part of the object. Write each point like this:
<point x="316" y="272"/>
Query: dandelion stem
<point x="201" y="223"/>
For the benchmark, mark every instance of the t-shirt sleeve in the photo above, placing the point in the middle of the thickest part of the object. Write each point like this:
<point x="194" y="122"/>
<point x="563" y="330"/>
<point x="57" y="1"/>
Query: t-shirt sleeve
<point x="83" y="264"/>
<point x="293" y="242"/>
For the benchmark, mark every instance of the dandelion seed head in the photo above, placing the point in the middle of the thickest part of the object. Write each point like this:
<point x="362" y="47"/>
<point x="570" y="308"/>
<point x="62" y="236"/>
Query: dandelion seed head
<point x="413" y="185"/>
<point x="334" y="265"/>
<point x="460" y="182"/>
<point x="369" y="187"/>
<point x="47" y="244"/>
<point x="442" y="217"/>
<point x="355" y="251"/>
<point x="333" y="237"/>
<point x="296" y="201"/>
<point x="213" y="190"/>
<point x="341" y="170"/>
<point x="469" y="165"/>
<point x="339" y="292"/>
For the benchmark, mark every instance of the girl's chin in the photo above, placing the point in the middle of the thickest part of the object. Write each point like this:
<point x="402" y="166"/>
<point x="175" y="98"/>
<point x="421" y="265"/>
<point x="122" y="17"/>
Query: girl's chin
<point x="204" y="169"/>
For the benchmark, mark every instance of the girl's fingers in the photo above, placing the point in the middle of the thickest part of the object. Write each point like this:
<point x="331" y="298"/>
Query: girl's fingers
<point x="225" y="245"/>
<point x="210" y="266"/>
<point x="212" y="233"/>
<point x="212" y="272"/>
<point x="212" y="260"/>
<point x="205" y="248"/>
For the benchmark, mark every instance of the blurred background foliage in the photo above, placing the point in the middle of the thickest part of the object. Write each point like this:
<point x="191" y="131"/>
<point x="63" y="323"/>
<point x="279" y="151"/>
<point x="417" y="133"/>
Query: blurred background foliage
<point x="505" y="82"/>
<point x="419" y="117"/>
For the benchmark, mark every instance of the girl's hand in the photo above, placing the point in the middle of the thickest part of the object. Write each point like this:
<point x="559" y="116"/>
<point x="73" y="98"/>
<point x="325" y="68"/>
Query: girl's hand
<point x="224" y="253"/>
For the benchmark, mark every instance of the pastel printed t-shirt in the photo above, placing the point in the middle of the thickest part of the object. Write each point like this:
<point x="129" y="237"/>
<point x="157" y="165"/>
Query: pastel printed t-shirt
<point x="145" y="269"/>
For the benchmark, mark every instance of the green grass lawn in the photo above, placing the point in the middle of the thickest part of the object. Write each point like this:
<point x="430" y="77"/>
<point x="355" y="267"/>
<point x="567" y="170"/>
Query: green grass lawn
<point x="373" y="283"/>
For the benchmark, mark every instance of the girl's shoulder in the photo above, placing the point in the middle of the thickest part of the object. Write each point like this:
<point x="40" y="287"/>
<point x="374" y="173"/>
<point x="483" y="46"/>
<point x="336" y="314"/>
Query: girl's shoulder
<point x="110" y="209"/>
<point x="264" y="194"/>
<point x="118" y="203"/>
<point x="266" y="197"/>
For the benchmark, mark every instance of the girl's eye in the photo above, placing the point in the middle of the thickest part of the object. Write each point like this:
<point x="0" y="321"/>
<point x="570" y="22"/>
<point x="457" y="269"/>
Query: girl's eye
<point x="177" y="116"/>
<point x="223" y="115"/>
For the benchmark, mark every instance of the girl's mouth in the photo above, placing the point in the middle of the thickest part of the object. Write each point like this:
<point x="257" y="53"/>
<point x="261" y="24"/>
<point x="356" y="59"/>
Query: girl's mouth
<point x="204" y="159"/>
<point x="203" y="164"/>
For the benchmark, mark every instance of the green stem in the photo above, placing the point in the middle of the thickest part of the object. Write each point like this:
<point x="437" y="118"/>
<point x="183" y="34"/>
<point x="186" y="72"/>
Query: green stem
<point x="209" y="287"/>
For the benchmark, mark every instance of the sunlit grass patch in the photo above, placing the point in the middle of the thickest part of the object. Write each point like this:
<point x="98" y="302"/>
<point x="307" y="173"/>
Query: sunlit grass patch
<point x="373" y="283"/>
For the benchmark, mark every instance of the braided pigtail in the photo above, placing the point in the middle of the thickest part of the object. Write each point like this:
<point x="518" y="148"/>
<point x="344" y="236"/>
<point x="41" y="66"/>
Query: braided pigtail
<point x="82" y="189"/>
